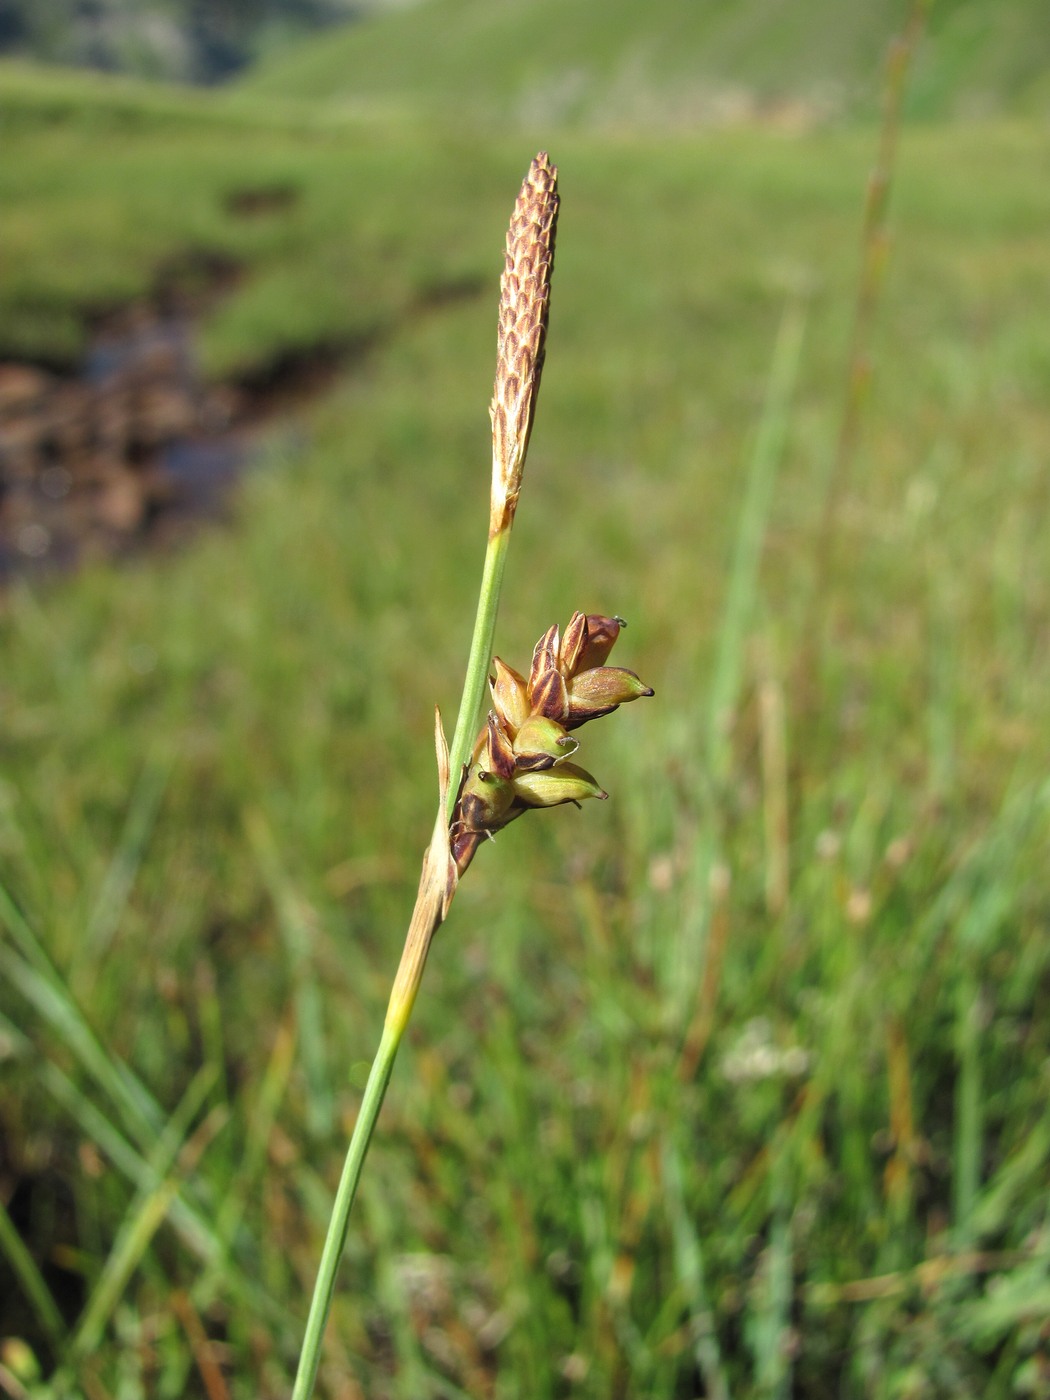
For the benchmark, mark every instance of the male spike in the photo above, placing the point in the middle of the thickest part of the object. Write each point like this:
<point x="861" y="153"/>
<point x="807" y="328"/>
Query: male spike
<point x="523" y="310"/>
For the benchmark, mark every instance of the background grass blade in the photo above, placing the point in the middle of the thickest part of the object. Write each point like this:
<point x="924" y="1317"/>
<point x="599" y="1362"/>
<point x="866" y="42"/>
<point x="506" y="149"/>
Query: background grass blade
<point x="689" y="1268"/>
<point x="737" y="617"/>
<point x="119" y="878"/>
<point x="32" y="1282"/>
<point x="145" y="1214"/>
<point x="39" y="982"/>
<point x="296" y="922"/>
<point x="738" y="611"/>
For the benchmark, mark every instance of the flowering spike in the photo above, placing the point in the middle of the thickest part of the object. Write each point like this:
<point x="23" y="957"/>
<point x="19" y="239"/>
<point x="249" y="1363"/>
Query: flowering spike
<point x="523" y="310"/>
<point x="520" y="758"/>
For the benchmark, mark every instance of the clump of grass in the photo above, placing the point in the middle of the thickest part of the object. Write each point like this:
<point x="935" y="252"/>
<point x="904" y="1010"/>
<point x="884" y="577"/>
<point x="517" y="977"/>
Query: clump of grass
<point x="519" y="760"/>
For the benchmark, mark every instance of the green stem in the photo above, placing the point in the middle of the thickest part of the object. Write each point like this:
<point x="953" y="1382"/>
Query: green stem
<point x="383" y="1064"/>
<point x="480" y="657"/>
<point x="324" y="1288"/>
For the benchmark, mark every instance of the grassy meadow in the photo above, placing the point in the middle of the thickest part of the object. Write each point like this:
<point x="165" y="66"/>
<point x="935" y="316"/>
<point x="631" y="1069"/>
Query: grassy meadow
<point x="735" y="1085"/>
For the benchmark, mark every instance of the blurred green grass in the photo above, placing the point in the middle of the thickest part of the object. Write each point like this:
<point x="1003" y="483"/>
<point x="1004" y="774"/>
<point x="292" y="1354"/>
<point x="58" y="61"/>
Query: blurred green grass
<point x="654" y="1134"/>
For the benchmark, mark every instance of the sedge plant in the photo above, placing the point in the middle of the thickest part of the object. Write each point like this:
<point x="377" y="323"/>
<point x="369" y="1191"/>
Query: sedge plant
<point x="520" y="757"/>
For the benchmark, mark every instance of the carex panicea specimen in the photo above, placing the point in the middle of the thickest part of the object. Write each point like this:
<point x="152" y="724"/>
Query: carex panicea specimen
<point x="523" y="755"/>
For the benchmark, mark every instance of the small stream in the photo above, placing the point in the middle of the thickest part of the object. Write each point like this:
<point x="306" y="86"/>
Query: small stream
<point x="134" y="447"/>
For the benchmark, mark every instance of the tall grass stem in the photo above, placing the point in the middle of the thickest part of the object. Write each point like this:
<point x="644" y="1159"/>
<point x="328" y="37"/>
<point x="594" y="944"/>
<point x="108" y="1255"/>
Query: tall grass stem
<point x="480" y="657"/>
<point x="397" y="1015"/>
<point x="335" y="1240"/>
<point x="738" y="612"/>
<point x="875" y="246"/>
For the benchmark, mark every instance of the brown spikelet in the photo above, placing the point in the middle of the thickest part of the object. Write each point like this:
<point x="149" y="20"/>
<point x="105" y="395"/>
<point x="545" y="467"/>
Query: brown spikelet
<point x="523" y="309"/>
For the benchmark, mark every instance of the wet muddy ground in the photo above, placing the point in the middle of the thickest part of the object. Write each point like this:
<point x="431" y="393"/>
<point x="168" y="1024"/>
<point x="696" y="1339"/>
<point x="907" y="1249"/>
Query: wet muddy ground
<point x="134" y="447"/>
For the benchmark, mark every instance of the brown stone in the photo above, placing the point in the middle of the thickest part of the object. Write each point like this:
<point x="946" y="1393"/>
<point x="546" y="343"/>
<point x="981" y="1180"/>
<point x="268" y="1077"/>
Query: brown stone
<point x="71" y="424"/>
<point x="120" y="504"/>
<point x="163" y="411"/>
<point x="21" y="388"/>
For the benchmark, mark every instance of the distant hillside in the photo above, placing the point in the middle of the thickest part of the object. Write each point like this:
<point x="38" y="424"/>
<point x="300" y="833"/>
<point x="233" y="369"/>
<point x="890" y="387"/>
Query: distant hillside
<point x="617" y="62"/>
<point x="183" y="40"/>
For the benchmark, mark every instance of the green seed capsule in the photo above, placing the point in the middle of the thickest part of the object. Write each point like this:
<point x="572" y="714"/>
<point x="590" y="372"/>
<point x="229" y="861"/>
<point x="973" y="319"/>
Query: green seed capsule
<point x="600" y="691"/>
<point x="540" y="744"/>
<point x="485" y="801"/>
<point x="565" y="783"/>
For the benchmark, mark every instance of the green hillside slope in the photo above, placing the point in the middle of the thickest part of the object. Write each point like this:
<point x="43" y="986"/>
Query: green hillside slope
<point x="679" y="61"/>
